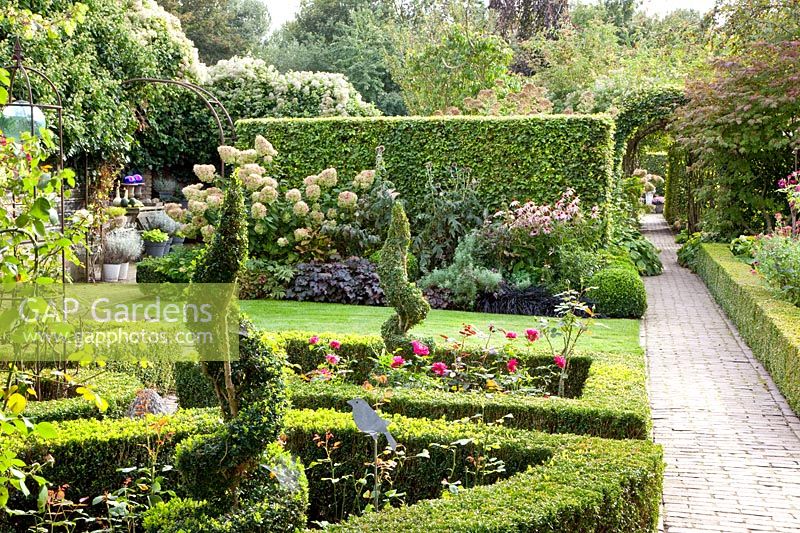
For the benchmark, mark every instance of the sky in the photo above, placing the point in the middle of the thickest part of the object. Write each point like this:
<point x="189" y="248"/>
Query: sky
<point x="284" y="10"/>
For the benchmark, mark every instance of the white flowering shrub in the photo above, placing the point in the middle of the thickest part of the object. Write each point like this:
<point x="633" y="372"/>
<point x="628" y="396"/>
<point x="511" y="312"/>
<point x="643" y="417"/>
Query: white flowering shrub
<point x="251" y="88"/>
<point x="324" y="219"/>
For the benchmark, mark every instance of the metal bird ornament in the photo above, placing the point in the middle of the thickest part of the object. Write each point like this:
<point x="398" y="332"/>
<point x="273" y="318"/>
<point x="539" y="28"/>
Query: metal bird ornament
<point x="368" y="421"/>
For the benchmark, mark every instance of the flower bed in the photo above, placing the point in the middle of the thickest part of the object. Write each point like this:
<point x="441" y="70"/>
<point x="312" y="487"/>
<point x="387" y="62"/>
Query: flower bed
<point x="770" y="327"/>
<point x="612" y="393"/>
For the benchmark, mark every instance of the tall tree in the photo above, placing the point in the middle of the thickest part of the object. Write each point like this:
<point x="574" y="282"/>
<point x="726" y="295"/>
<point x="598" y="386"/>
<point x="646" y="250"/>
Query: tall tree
<point x="221" y="29"/>
<point x="523" y="18"/>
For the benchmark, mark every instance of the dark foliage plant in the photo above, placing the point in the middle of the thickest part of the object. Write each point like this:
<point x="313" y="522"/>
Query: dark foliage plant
<point x="352" y="281"/>
<point x="510" y="300"/>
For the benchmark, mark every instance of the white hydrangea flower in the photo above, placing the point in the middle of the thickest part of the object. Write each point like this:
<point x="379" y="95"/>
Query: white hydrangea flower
<point x="251" y="168"/>
<point x="313" y="191"/>
<point x="207" y="232"/>
<point x="294" y="195"/>
<point x="264" y="147"/>
<point x="283" y="242"/>
<point x="347" y="200"/>
<point x="214" y="200"/>
<point x="310" y="180"/>
<point x="300" y="208"/>
<point x="205" y="173"/>
<point x="268" y="195"/>
<point x="302" y="234"/>
<point x="246" y="156"/>
<point x="364" y="179"/>
<point x="328" y="178"/>
<point x="258" y="211"/>
<point x="228" y="154"/>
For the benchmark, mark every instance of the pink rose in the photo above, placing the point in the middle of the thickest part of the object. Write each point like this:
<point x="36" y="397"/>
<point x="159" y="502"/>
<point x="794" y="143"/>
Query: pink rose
<point x="560" y="361"/>
<point x="335" y="345"/>
<point x="439" y="368"/>
<point x="313" y="340"/>
<point x="512" y="365"/>
<point x="511" y="335"/>
<point x="332" y="359"/>
<point x="398" y="361"/>
<point x="419" y="348"/>
<point x="532" y="335"/>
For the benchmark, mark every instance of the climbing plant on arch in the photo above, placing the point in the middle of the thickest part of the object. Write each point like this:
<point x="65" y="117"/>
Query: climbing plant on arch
<point x="642" y="114"/>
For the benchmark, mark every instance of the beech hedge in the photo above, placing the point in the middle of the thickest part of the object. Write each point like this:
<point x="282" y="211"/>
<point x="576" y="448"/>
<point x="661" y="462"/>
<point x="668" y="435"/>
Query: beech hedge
<point x="512" y="158"/>
<point x="771" y="327"/>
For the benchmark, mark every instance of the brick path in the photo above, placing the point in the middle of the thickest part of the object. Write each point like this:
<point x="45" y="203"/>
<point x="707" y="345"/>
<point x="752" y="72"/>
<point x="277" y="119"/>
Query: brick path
<point x="731" y="443"/>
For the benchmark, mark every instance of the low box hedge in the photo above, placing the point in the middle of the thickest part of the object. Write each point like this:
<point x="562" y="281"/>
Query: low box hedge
<point x="611" y="390"/>
<point x="556" y="483"/>
<point x="771" y="327"/>
<point x="559" y="483"/>
<point x="116" y="388"/>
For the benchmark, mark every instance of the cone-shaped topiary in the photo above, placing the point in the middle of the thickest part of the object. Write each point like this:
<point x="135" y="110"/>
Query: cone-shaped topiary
<point x="410" y="306"/>
<point x="226" y="255"/>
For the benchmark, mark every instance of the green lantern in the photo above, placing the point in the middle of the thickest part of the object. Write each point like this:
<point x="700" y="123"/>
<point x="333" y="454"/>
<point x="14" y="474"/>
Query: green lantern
<point x="17" y="119"/>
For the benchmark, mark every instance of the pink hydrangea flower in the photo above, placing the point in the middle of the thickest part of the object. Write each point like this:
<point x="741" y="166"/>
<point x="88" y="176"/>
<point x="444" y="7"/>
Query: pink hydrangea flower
<point x="511" y="335"/>
<point x="313" y="340"/>
<point x="512" y="365"/>
<point x="532" y="335"/>
<point x="439" y="368"/>
<point x="419" y="348"/>
<point x="560" y="361"/>
<point x="335" y="345"/>
<point x="332" y="359"/>
<point x="398" y="361"/>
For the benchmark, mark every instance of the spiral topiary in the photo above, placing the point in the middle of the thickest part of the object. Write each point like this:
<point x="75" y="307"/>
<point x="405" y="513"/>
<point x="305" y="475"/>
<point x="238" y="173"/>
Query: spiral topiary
<point x="221" y="471"/>
<point x="410" y="305"/>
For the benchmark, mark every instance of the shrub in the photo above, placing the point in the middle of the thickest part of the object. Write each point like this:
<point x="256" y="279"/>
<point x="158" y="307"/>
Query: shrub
<point x="778" y="260"/>
<point x="618" y="293"/>
<point x="263" y="279"/>
<point x="744" y="246"/>
<point x="688" y="254"/>
<point x="641" y="251"/>
<point x="463" y="279"/>
<point x="175" y="267"/>
<point x="511" y="158"/>
<point x="770" y="327"/>
<point x="352" y="281"/>
<point x="412" y="264"/>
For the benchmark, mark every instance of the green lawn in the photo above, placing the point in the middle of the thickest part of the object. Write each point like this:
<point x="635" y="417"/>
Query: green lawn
<point x="617" y="336"/>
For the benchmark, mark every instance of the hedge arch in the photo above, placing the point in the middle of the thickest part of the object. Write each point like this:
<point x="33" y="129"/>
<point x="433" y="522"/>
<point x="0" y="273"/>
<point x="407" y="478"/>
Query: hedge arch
<point x="643" y="113"/>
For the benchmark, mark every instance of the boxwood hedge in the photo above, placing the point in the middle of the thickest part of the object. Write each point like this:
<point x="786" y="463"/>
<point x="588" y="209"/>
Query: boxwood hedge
<point x="116" y="388"/>
<point x="512" y="158"/>
<point x="556" y="483"/>
<point x="770" y="327"/>
<point x="611" y="390"/>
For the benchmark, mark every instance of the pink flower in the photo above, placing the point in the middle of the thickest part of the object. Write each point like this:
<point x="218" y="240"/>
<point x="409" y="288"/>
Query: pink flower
<point x="398" y="361"/>
<point x="332" y="359"/>
<point x="511" y="335"/>
<point x="560" y="361"/>
<point x="532" y="335"/>
<point x="324" y="373"/>
<point x="313" y="340"/>
<point x="419" y="348"/>
<point x="512" y="365"/>
<point x="335" y="345"/>
<point x="440" y="369"/>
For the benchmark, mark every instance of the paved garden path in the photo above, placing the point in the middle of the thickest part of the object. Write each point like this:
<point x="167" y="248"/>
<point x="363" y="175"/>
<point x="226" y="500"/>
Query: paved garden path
<point x="731" y="443"/>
